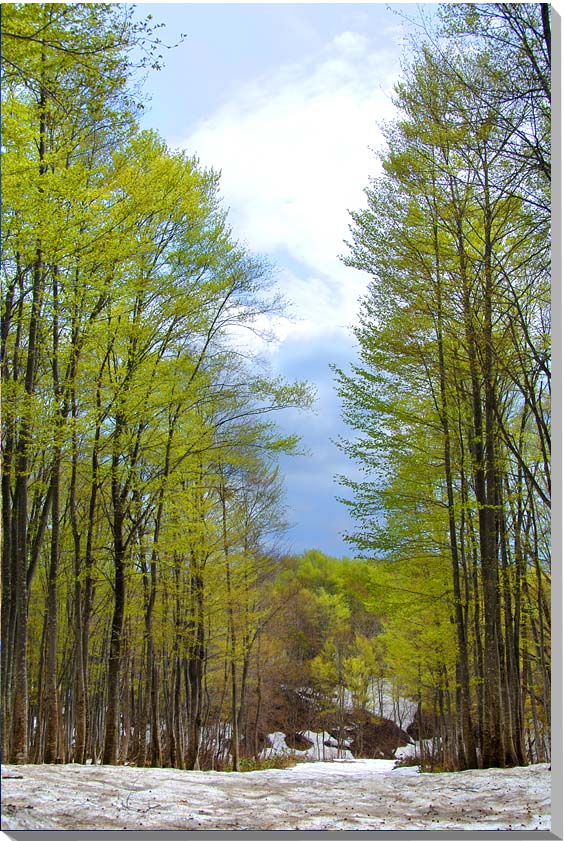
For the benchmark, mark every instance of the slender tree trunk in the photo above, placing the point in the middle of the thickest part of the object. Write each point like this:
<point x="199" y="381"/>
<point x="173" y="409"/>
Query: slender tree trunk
<point x="468" y="756"/>
<point x="111" y="738"/>
<point x="51" y="754"/>
<point x="88" y="590"/>
<point x="195" y="666"/>
<point x="20" y="507"/>
<point x="232" y="639"/>
<point x="23" y="450"/>
<point x="493" y="749"/>
<point x="483" y="459"/>
<point x="124" y="747"/>
<point x="80" y="689"/>
<point x="8" y="600"/>
<point x="258" y="710"/>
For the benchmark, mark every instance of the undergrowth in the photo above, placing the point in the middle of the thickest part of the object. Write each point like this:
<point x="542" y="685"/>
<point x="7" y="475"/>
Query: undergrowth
<point x="266" y="764"/>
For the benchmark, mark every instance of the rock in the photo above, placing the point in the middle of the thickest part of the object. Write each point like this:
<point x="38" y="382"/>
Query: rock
<point x="372" y="737"/>
<point x="297" y="741"/>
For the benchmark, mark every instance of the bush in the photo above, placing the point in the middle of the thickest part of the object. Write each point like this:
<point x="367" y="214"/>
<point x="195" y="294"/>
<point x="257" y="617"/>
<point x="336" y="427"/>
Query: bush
<point x="407" y="762"/>
<point x="252" y="764"/>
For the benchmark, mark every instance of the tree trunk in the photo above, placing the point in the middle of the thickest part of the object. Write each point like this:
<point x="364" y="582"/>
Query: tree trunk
<point x="111" y="738"/>
<point x="468" y="756"/>
<point x="487" y="480"/>
<point x="195" y="666"/>
<point x="51" y="754"/>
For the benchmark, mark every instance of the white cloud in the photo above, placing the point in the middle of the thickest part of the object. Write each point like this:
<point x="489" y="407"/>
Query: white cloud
<point x="351" y="42"/>
<point x="294" y="154"/>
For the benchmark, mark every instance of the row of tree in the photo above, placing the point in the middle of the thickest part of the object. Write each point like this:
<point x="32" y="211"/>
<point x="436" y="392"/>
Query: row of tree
<point x="450" y="398"/>
<point x="146" y="616"/>
<point x="139" y="483"/>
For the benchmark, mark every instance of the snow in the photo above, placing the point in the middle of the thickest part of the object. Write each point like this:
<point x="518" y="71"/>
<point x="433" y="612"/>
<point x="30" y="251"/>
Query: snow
<point x="365" y="794"/>
<point x="387" y="701"/>
<point x="324" y="747"/>
<point x="413" y="750"/>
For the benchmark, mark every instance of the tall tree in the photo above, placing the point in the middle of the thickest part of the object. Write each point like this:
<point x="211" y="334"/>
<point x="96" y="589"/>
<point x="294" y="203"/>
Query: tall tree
<point x="449" y="235"/>
<point x="125" y="291"/>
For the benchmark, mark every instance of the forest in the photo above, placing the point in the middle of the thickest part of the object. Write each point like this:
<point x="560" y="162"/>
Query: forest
<point x="149" y="615"/>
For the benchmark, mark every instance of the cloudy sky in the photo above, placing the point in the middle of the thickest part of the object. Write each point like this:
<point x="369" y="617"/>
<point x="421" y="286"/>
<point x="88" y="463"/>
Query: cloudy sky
<point x="286" y="101"/>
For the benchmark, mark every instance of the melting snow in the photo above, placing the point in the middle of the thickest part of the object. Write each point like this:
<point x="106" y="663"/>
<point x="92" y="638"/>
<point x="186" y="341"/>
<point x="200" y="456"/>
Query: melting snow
<point x="364" y="794"/>
<point x="323" y="747"/>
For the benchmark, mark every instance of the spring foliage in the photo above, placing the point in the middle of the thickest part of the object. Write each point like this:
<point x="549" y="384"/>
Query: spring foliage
<point x="139" y="479"/>
<point x="450" y="398"/>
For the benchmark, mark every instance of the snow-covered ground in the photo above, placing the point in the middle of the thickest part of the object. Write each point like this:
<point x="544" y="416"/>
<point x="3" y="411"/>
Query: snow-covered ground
<point x="365" y="794"/>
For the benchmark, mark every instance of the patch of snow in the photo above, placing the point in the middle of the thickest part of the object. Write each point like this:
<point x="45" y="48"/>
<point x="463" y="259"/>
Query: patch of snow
<point x="384" y="700"/>
<point x="413" y="750"/>
<point x="407" y="752"/>
<point x="276" y="745"/>
<point x="342" y="795"/>
<point x="323" y="747"/>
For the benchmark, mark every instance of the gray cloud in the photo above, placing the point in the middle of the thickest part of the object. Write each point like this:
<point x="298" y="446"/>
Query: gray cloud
<point x="318" y="519"/>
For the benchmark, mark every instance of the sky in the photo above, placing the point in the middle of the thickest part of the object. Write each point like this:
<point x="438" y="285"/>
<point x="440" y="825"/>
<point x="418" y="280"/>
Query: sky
<point x="287" y="101"/>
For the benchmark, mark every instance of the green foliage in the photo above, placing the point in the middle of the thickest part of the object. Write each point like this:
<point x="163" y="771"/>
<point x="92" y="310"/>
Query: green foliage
<point x="129" y="400"/>
<point x="140" y="493"/>
<point x="281" y="762"/>
<point x="455" y="238"/>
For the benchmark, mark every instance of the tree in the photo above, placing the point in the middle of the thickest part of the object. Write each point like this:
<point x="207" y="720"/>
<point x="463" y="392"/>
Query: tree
<point x="448" y="237"/>
<point x="45" y="143"/>
<point x="124" y="289"/>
